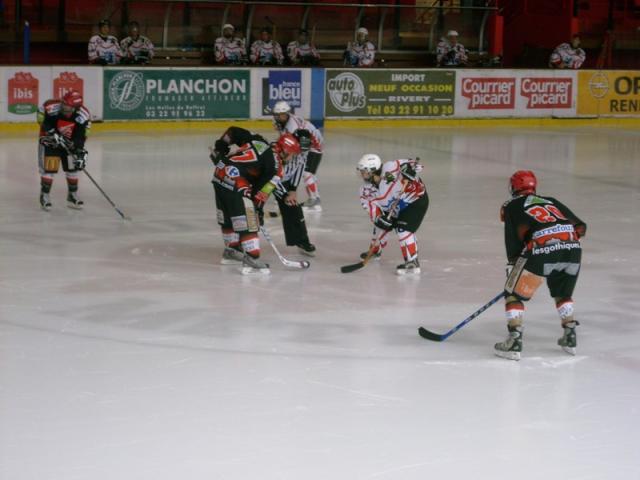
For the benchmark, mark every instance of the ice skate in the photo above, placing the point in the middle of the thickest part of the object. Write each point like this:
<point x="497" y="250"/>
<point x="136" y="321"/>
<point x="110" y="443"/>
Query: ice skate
<point x="231" y="256"/>
<point x="251" y="266"/>
<point x="412" y="267"/>
<point x="569" y="341"/>
<point x="312" y="205"/>
<point x="512" y="346"/>
<point x="74" y="202"/>
<point x="45" y="202"/>
<point x="307" y="248"/>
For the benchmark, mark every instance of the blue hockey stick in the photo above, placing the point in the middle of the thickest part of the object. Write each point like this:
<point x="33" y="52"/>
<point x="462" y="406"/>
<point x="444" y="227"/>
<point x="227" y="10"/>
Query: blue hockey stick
<point x="424" y="333"/>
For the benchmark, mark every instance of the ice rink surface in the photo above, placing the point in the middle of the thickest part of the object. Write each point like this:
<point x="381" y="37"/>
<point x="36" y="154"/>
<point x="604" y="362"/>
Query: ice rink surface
<point x="128" y="352"/>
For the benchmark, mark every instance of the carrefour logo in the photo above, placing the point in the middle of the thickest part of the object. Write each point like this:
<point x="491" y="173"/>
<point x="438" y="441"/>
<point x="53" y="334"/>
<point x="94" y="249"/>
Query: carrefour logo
<point x="346" y="92"/>
<point x="126" y="91"/>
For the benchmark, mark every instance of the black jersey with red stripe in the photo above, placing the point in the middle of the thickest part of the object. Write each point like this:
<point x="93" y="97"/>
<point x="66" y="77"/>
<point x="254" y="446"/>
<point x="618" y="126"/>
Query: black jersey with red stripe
<point x="252" y="164"/>
<point x="73" y="128"/>
<point x="534" y="220"/>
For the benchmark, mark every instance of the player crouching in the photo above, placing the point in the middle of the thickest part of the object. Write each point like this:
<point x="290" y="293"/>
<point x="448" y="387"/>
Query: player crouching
<point x="243" y="181"/>
<point x="396" y="199"/>
<point x="542" y="241"/>
<point x="64" y="125"/>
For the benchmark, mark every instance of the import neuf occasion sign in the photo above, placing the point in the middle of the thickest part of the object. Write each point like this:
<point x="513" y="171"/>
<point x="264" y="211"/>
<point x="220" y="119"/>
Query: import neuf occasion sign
<point x="390" y="93"/>
<point x="168" y="94"/>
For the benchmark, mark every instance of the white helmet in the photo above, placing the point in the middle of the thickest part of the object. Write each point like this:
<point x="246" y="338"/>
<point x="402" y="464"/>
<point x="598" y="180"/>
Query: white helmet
<point x="369" y="162"/>
<point x="281" y="107"/>
<point x="363" y="30"/>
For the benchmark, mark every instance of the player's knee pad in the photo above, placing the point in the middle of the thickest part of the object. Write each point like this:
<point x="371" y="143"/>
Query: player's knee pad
<point x="250" y="221"/>
<point x="521" y="282"/>
<point x="51" y="164"/>
<point x="408" y="245"/>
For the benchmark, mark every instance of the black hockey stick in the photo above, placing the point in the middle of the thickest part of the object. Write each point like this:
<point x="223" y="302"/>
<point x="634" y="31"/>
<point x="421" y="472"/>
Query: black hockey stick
<point x="67" y="147"/>
<point x="287" y="263"/>
<point x="357" y="266"/>
<point x="124" y="217"/>
<point x="424" y="333"/>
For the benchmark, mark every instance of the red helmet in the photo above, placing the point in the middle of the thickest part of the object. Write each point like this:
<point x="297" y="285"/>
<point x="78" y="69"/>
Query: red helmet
<point x="73" y="99"/>
<point x="523" y="181"/>
<point x="288" y="144"/>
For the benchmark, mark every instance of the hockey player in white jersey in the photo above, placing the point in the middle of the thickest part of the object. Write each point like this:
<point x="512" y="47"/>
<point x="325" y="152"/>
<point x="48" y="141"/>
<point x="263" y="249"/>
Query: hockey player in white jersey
<point x="302" y="52"/>
<point x="266" y="51"/>
<point x="285" y="121"/>
<point x="104" y="49"/>
<point x="362" y="52"/>
<point x="230" y="49"/>
<point x="568" y="55"/>
<point x="395" y="199"/>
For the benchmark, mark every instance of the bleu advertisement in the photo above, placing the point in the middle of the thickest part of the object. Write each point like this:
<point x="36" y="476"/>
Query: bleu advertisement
<point x="281" y="85"/>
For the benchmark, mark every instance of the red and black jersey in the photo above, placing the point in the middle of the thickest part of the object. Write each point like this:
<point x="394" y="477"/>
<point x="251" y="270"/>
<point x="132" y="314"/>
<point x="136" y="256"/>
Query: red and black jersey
<point x="73" y="128"/>
<point x="534" y="220"/>
<point x="252" y="164"/>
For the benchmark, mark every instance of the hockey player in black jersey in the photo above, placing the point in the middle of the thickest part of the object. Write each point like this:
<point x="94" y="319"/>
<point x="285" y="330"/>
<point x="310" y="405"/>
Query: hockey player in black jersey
<point x="542" y="239"/>
<point x="64" y="125"/>
<point x="243" y="180"/>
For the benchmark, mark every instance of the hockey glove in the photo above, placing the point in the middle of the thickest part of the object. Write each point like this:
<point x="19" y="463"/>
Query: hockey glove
<point x="304" y="139"/>
<point x="221" y="148"/>
<point x="383" y="222"/>
<point x="80" y="159"/>
<point x="260" y="198"/>
<point x="245" y="191"/>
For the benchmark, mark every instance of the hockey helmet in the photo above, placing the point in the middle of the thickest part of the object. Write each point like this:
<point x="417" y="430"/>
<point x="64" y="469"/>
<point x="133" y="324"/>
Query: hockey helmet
<point x="362" y="30"/>
<point x="523" y="181"/>
<point x="370" y="163"/>
<point x="286" y="146"/>
<point x="72" y="99"/>
<point x="281" y="107"/>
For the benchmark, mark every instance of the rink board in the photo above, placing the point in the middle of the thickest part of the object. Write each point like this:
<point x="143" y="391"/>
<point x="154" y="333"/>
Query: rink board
<point x="197" y="94"/>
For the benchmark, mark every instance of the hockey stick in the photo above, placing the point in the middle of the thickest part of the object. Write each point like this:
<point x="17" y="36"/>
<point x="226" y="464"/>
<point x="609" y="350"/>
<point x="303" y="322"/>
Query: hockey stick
<point x="287" y="263"/>
<point x="357" y="266"/>
<point x="124" y="217"/>
<point x="429" y="335"/>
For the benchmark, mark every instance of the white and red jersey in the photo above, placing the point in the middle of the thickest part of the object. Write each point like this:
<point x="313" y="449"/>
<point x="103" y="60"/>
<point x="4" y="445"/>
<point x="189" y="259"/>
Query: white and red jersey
<point x="104" y="48"/>
<point x="361" y="54"/>
<point x="141" y="47"/>
<point x="266" y="53"/>
<point x="450" y="55"/>
<point x="230" y="51"/>
<point x="378" y="200"/>
<point x="565" y="56"/>
<point x="297" y="51"/>
<point x="296" y="123"/>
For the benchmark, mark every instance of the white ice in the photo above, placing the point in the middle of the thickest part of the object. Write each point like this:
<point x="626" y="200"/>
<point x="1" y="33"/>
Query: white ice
<point x="128" y="352"/>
